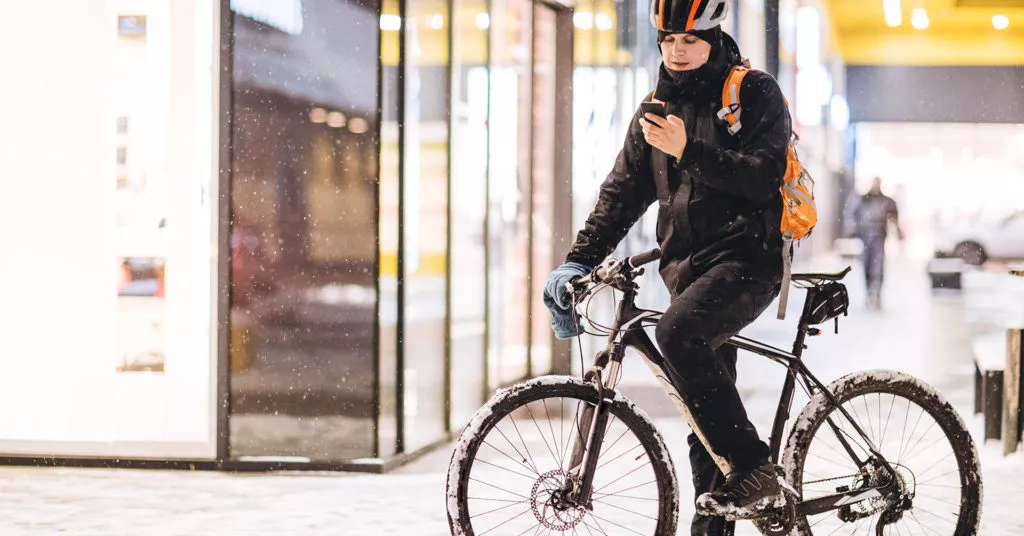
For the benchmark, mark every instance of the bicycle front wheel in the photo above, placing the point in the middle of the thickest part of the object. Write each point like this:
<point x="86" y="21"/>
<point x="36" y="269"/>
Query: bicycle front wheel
<point x="509" y="472"/>
<point x="936" y="488"/>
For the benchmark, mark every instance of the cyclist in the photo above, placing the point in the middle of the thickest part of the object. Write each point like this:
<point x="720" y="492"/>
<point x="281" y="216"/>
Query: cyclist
<point x="719" y="211"/>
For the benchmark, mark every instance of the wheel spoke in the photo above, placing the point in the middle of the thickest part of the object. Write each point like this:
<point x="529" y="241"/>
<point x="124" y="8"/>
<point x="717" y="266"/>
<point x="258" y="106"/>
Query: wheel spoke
<point x="606" y="503"/>
<point x="517" y="462"/>
<point x="602" y="495"/>
<point x="537" y="425"/>
<point x="558" y="454"/>
<point x="500" y="488"/>
<point x="595" y="516"/>
<point x="621" y="455"/>
<point x="886" y="429"/>
<point x="513" y="518"/>
<point x="899" y="458"/>
<point x="525" y="447"/>
<point x="623" y="476"/>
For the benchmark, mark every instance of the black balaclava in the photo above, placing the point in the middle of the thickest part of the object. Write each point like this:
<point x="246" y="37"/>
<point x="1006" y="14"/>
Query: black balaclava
<point x="723" y="55"/>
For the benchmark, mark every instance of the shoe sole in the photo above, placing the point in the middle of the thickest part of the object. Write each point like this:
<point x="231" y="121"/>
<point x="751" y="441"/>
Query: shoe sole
<point x="733" y="513"/>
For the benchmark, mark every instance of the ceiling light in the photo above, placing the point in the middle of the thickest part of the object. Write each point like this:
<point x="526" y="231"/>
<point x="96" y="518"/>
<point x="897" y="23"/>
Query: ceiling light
<point x="919" y="18"/>
<point x="483" y="21"/>
<point x="893" y="12"/>
<point x="1000" y="22"/>
<point x="436" y="22"/>
<point x="603" y="22"/>
<point x="318" y="115"/>
<point x="358" y="125"/>
<point x="390" y="23"/>
<point x="583" y="20"/>
<point x="336" y="119"/>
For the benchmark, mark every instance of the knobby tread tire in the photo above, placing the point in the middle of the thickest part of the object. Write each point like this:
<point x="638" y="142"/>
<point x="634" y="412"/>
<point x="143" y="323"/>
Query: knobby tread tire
<point x="507" y="400"/>
<point x="903" y="385"/>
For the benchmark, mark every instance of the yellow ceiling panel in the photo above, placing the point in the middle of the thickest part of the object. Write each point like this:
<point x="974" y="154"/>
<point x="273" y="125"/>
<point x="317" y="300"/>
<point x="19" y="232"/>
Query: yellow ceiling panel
<point x="960" y="32"/>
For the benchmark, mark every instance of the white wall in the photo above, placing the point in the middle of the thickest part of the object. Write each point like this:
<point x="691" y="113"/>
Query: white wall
<point x="62" y="324"/>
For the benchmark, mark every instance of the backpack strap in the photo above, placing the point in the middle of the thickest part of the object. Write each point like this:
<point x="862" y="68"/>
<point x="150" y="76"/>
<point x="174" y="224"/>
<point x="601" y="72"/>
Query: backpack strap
<point x="787" y="274"/>
<point x="730" y="112"/>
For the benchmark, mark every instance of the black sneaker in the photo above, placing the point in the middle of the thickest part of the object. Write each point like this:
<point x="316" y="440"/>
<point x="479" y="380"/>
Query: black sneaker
<point x="744" y="495"/>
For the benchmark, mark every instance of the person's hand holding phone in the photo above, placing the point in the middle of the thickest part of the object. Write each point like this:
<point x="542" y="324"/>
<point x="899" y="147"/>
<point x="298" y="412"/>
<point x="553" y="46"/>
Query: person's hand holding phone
<point x="668" y="134"/>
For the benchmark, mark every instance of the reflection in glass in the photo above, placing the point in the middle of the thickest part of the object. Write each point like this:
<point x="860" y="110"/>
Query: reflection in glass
<point x="303" y="234"/>
<point x="469" y="204"/>
<point x="388" y="228"/>
<point x="424" y="222"/>
<point x="509" y="190"/>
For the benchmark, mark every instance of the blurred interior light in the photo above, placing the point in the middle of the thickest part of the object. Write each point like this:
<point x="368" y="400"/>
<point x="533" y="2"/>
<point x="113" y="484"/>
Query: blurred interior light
<point x="583" y="20"/>
<point x="318" y="115"/>
<point x="603" y="22"/>
<point x="390" y="23"/>
<point x="436" y="22"/>
<point x="893" y="12"/>
<point x="919" y="18"/>
<point x="839" y="112"/>
<point x="483" y="21"/>
<point x="808" y="38"/>
<point x="358" y="125"/>
<point x="1000" y="22"/>
<point x="336" y="119"/>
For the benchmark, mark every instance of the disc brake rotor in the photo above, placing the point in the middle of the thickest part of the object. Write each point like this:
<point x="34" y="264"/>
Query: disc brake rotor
<point x="549" y="505"/>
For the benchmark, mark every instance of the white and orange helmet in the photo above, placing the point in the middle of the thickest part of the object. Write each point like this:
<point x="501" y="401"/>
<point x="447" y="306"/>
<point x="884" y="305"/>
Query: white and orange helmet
<point x="680" y="16"/>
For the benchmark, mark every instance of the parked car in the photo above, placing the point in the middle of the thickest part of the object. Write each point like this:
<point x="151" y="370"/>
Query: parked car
<point x="979" y="240"/>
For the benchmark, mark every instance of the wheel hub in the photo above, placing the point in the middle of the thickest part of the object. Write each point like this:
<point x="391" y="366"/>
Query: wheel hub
<point x="550" y="505"/>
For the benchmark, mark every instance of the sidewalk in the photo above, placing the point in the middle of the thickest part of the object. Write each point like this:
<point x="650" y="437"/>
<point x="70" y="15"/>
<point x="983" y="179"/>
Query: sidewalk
<point x="917" y="332"/>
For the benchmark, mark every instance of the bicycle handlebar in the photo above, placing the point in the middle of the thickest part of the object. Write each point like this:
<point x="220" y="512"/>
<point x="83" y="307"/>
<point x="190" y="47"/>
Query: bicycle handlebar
<point x="641" y="259"/>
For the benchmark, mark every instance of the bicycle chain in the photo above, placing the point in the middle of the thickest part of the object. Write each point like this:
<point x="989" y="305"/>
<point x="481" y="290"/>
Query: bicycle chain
<point x="831" y="479"/>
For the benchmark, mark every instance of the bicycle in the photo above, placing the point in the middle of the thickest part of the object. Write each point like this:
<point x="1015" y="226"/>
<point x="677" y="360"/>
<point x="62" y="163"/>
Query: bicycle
<point x="840" y="473"/>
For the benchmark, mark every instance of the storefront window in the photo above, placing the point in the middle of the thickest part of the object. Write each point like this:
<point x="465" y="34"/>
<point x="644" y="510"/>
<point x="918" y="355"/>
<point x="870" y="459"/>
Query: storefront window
<point x="468" y="207"/>
<point x="509" y="185"/>
<point x="425" y="220"/>
<point x="108" y="217"/>
<point x="304" y="230"/>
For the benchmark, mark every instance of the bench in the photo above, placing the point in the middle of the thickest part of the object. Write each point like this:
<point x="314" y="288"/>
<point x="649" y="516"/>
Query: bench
<point x="989" y="365"/>
<point x="998" y="388"/>
<point x="946" y="272"/>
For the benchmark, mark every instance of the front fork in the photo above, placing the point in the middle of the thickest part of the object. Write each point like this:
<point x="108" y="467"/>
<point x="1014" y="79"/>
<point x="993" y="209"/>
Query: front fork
<point x="593" y="423"/>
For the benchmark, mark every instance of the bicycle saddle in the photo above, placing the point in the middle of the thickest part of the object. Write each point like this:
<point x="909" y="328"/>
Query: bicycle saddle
<point x="816" y="278"/>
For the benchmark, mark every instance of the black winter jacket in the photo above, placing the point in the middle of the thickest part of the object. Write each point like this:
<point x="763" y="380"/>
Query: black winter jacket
<point x="720" y="201"/>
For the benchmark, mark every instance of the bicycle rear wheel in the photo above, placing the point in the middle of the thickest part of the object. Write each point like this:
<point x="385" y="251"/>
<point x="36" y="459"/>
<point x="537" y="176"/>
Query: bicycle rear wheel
<point x="937" y="485"/>
<point x="510" y="468"/>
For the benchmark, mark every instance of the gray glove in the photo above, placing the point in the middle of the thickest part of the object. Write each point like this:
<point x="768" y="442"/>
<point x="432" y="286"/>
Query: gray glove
<point x="557" y="301"/>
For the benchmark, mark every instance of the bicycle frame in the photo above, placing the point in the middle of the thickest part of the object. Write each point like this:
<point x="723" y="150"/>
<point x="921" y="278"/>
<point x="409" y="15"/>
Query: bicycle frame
<point x="627" y="332"/>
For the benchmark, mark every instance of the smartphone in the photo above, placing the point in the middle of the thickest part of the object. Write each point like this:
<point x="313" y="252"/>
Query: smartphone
<point x="655" y="108"/>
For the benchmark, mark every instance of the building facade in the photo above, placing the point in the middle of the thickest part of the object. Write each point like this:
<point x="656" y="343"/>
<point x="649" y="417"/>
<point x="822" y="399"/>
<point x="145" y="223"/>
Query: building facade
<point x="301" y="234"/>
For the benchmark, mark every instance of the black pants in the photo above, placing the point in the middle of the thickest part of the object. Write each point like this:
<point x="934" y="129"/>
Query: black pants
<point x="874" y="263"/>
<point x="714" y="307"/>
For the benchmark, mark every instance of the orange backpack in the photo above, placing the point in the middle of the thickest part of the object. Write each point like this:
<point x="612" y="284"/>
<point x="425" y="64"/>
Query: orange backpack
<point x="799" y="212"/>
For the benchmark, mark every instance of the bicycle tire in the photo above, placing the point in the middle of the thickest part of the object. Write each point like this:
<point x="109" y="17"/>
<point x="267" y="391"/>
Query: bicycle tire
<point x="912" y="389"/>
<point x="505" y="401"/>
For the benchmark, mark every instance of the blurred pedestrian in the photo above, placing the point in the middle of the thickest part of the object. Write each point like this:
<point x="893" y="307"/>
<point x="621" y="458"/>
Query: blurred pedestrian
<point x="872" y="216"/>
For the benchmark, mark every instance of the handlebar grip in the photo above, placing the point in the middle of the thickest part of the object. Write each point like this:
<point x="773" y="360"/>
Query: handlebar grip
<point x="641" y="259"/>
